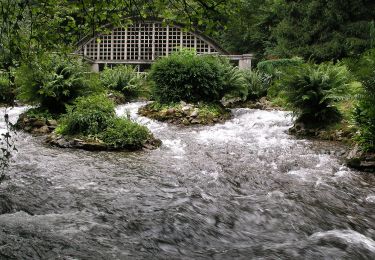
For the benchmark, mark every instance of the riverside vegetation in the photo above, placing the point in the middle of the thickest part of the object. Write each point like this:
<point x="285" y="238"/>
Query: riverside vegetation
<point x="339" y="99"/>
<point x="73" y="105"/>
<point x="331" y="101"/>
<point x="188" y="89"/>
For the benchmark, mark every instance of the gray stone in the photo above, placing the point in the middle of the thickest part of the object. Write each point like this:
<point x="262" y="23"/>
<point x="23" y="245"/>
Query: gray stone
<point x="186" y="108"/>
<point x="39" y="123"/>
<point x="51" y="122"/>
<point x="170" y="111"/>
<point x="359" y="160"/>
<point x="354" y="153"/>
<point x="194" y="113"/>
<point x="195" y="121"/>
<point x="41" y="130"/>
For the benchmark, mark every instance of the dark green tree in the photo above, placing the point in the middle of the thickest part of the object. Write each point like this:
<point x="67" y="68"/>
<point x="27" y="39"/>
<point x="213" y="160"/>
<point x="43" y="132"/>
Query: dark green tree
<point x="323" y="30"/>
<point x="249" y="29"/>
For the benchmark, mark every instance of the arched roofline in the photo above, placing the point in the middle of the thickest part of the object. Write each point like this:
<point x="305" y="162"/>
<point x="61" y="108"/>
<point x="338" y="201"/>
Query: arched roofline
<point x="195" y="32"/>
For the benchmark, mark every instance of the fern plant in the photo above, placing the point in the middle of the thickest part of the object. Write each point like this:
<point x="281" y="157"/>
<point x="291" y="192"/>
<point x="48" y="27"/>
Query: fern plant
<point x="234" y="82"/>
<point x="364" y="113"/>
<point x="257" y="84"/>
<point x="126" y="80"/>
<point x="53" y="81"/>
<point x="312" y="91"/>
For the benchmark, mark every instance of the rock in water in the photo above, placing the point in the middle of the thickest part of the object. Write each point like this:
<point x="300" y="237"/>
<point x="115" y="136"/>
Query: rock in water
<point x="359" y="160"/>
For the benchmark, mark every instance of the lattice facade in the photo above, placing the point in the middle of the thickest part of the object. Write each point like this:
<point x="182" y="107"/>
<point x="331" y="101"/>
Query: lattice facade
<point x="143" y="43"/>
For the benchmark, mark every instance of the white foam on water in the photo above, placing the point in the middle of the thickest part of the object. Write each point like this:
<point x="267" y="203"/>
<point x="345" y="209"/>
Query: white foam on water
<point x="370" y="199"/>
<point x="261" y="124"/>
<point x="13" y="113"/>
<point x="349" y="237"/>
<point x="176" y="146"/>
<point x="131" y="109"/>
<point x="214" y="174"/>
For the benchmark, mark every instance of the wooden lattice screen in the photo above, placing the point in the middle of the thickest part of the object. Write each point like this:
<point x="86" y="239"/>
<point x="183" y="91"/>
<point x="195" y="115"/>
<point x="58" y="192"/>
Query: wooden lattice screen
<point x="143" y="42"/>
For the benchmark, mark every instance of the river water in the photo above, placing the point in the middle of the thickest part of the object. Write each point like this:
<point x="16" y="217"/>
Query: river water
<point x="244" y="189"/>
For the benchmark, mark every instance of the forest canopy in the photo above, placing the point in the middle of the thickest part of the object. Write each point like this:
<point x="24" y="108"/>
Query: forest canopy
<point x="313" y="29"/>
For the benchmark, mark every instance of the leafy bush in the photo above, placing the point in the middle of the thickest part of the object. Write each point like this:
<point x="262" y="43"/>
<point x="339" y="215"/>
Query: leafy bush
<point x="234" y="83"/>
<point x="6" y="89"/>
<point x="313" y="90"/>
<point x="126" y="80"/>
<point x="54" y="81"/>
<point x="88" y="116"/>
<point x="257" y="84"/>
<point x="40" y="113"/>
<point x="275" y="67"/>
<point x="123" y="133"/>
<point x="364" y="113"/>
<point x="192" y="78"/>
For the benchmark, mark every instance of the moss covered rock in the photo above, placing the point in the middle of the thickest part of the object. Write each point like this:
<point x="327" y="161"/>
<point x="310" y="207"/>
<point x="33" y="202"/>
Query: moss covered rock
<point x="35" y="123"/>
<point x="94" y="144"/>
<point x="186" y="114"/>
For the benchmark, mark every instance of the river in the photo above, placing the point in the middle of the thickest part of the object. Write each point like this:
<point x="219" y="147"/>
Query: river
<point x="244" y="189"/>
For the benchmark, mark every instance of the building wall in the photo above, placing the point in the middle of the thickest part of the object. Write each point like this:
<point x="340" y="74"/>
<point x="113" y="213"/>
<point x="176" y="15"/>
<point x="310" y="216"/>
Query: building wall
<point x="143" y="43"/>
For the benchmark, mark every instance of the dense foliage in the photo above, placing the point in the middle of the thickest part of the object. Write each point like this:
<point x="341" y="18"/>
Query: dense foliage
<point x="123" y="133"/>
<point x="88" y="116"/>
<point x="257" y="84"/>
<point x="192" y="78"/>
<point x="126" y="80"/>
<point x="274" y="68"/>
<point x="249" y="28"/>
<point x="94" y="117"/>
<point x="324" y="30"/>
<point x="313" y="90"/>
<point x="313" y="29"/>
<point x="7" y="92"/>
<point x="364" y="113"/>
<point x="53" y="81"/>
<point x="29" y="27"/>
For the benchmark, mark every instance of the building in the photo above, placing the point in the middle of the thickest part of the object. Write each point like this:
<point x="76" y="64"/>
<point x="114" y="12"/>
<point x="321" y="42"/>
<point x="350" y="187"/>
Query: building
<point x="142" y="42"/>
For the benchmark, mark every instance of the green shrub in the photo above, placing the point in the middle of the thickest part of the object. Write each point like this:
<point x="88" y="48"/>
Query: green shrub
<point x="192" y="78"/>
<point x="54" y="81"/>
<point x="88" y="116"/>
<point x="257" y="84"/>
<point x="272" y="70"/>
<point x="362" y="67"/>
<point x="40" y="113"/>
<point x="275" y="67"/>
<point x="313" y="90"/>
<point x="234" y="83"/>
<point x="126" y="80"/>
<point x="6" y="89"/>
<point x="364" y="113"/>
<point x="123" y="133"/>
